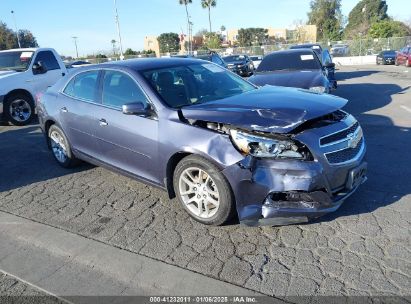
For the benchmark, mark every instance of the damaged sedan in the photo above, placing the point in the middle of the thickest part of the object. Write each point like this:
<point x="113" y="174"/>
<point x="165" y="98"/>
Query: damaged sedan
<point x="221" y="145"/>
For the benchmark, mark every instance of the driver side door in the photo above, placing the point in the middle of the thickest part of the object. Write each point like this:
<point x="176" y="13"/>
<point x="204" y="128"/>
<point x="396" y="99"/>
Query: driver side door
<point x="126" y="142"/>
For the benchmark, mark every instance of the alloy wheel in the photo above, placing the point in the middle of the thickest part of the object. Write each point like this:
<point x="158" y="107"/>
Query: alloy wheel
<point x="199" y="193"/>
<point x="20" y="110"/>
<point x="58" y="146"/>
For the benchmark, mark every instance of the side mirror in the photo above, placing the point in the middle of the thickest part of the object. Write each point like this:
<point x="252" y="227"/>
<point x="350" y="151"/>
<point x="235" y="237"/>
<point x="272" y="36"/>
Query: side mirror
<point x="330" y="65"/>
<point x="137" y="108"/>
<point x="39" y="68"/>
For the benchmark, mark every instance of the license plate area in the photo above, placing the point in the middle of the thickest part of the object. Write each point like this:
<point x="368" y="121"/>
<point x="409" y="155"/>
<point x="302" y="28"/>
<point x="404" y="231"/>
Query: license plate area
<point x="356" y="176"/>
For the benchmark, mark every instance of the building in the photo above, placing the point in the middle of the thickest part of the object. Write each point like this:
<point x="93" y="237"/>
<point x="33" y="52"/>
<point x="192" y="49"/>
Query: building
<point x="151" y="43"/>
<point x="303" y="33"/>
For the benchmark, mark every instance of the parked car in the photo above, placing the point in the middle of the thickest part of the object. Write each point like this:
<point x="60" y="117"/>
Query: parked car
<point x="212" y="57"/>
<point x="314" y="46"/>
<point x="79" y="63"/>
<point x="256" y="60"/>
<point x="386" y="57"/>
<point x="329" y="67"/>
<point x="403" y="57"/>
<point x="299" y="68"/>
<point x="25" y="73"/>
<point x="217" y="142"/>
<point x="340" y="50"/>
<point x="240" y="64"/>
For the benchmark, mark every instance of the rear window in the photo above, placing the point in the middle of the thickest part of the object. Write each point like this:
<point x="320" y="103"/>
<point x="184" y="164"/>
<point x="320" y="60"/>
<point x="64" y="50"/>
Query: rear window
<point x="289" y="61"/>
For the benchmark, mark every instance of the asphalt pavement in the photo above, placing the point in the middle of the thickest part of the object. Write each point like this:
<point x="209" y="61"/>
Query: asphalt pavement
<point x="364" y="248"/>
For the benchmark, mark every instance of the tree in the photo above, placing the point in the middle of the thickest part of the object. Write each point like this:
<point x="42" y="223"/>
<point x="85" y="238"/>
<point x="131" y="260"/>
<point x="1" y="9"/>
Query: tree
<point x="169" y="42"/>
<point x="389" y="28"/>
<point x="201" y="33"/>
<point x="113" y="43"/>
<point x="363" y="15"/>
<point x="327" y="16"/>
<point x="27" y="40"/>
<point x="130" y="52"/>
<point x="208" y="4"/>
<point x="8" y="38"/>
<point x="222" y="28"/>
<point x="212" y="41"/>
<point x="251" y="36"/>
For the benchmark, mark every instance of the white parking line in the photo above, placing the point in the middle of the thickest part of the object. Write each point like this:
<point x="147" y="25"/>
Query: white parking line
<point x="406" y="108"/>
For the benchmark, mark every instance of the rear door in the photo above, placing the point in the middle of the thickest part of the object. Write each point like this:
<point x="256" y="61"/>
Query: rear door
<point x="128" y="142"/>
<point x="78" y="112"/>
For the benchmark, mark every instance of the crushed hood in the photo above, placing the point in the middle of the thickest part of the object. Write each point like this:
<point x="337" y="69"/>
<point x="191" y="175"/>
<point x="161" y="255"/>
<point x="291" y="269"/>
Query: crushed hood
<point x="296" y="79"/>
<point x="268" y="109"/>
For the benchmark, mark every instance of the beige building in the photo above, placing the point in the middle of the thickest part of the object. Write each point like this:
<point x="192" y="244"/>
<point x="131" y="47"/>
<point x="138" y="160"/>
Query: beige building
<point x="151" y="43"/>
<point x="303" y="33"/>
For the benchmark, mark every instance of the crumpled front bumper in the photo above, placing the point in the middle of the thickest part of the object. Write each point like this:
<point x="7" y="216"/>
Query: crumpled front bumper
<point x="255" y="182"/>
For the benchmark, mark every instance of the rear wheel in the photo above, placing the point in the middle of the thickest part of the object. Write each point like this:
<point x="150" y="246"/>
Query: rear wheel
<point x="60" y="148"/>
<point x="19" y="109"/>
<point x="203" y="191"/>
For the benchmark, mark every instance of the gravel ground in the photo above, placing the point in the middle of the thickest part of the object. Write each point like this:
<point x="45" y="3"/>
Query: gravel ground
<point x="362" y="249"/>
<point x="14" y="291"/>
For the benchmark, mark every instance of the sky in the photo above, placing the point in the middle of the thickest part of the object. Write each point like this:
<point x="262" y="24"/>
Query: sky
<point x="54" y="22"/>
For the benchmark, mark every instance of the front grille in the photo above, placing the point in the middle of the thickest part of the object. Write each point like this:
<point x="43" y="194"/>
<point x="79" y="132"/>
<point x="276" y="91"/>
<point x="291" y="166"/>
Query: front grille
<point x="345" y="154"/>
<point x="339" y="135"/>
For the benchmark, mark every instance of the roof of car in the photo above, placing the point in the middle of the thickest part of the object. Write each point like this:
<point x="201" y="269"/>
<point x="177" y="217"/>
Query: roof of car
<point x="150" y="63"/>
<point x="292" y="51"/>
<point x="304" y="45"/>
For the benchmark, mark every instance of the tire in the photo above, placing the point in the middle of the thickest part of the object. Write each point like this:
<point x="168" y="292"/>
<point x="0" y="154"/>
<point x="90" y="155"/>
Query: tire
<point x="199" y="195"/>
<point x="407" y="63"/>
<point x="60" y="148"/>
<point x="19" y="109"/>
<point x="396" y="62"/>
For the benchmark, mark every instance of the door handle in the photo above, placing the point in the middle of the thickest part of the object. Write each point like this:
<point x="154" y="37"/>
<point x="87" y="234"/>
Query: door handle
<point x="103" y="122"/>
<point x="64" y="110"/>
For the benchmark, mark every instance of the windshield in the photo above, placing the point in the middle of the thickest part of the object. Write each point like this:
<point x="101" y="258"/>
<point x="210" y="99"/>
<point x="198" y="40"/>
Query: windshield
<point x="234" y="58"/>
<point x="196" y="83"/>
<point x="289" y="61"/>
<point x="18" y="61"/>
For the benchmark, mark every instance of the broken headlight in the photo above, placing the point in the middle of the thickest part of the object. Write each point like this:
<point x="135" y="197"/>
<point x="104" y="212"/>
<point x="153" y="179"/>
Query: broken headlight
<point x="259" y="146"/>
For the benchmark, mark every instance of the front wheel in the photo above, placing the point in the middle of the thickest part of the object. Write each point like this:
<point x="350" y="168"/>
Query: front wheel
<point x="203" y="191"/>
<point x="60" y="148"/>
<point x="19" y="109"/>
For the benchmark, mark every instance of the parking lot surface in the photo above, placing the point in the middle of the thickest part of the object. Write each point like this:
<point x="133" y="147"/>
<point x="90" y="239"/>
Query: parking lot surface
<point x="364" y="248"/>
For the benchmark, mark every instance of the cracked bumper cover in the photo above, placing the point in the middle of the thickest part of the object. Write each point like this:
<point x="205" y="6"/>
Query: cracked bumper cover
<point x="255" y="181"/>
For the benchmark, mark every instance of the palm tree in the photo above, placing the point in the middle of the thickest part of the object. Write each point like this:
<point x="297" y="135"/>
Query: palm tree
<point x="185" y="3"/>
<point x="113" y="42"/>
<point x="209" y="4"/>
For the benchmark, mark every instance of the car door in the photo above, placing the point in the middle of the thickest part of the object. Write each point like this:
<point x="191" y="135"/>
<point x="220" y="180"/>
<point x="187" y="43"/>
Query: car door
<point x="127" y="142"/>
<point x="41" y="81"/>
<point x="79" y="103"/>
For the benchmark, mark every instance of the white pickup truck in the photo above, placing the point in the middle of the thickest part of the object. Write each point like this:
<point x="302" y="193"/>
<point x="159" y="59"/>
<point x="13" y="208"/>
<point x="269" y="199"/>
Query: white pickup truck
<point x="24" y="74"/>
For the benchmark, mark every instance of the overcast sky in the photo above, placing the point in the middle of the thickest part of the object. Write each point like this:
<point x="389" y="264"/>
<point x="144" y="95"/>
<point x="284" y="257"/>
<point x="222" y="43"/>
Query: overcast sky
<point x="54" y="22"/>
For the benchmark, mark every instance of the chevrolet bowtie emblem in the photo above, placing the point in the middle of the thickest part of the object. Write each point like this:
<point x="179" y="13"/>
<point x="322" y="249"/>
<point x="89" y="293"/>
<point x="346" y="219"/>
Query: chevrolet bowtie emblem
<point x="354" y="138"/>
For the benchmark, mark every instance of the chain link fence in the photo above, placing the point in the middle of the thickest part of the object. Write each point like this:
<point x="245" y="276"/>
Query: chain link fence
<point x="356" y="47"/>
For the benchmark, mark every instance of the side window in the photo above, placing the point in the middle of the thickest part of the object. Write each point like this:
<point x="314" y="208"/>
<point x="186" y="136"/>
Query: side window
<point x="119" y="89"/>
<point x="48" y="59"/>
<point x="83" y="86"/>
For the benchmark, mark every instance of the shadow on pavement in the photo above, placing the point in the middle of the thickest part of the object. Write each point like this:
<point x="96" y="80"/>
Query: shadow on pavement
<point x="340" y="75"/>
<point x="25" y="159"/>
<point x="388" y="147"/>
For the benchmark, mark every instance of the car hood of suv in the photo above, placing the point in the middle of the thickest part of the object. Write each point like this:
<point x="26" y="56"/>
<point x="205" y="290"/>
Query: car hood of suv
<point x="296" y="79"/>
<point x="268" y="109"/>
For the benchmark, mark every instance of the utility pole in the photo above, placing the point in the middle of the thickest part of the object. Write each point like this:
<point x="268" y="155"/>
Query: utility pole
<point x="75" y="43"/>
<point x="17" y="31"/>
<point x="118" y="30"/>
